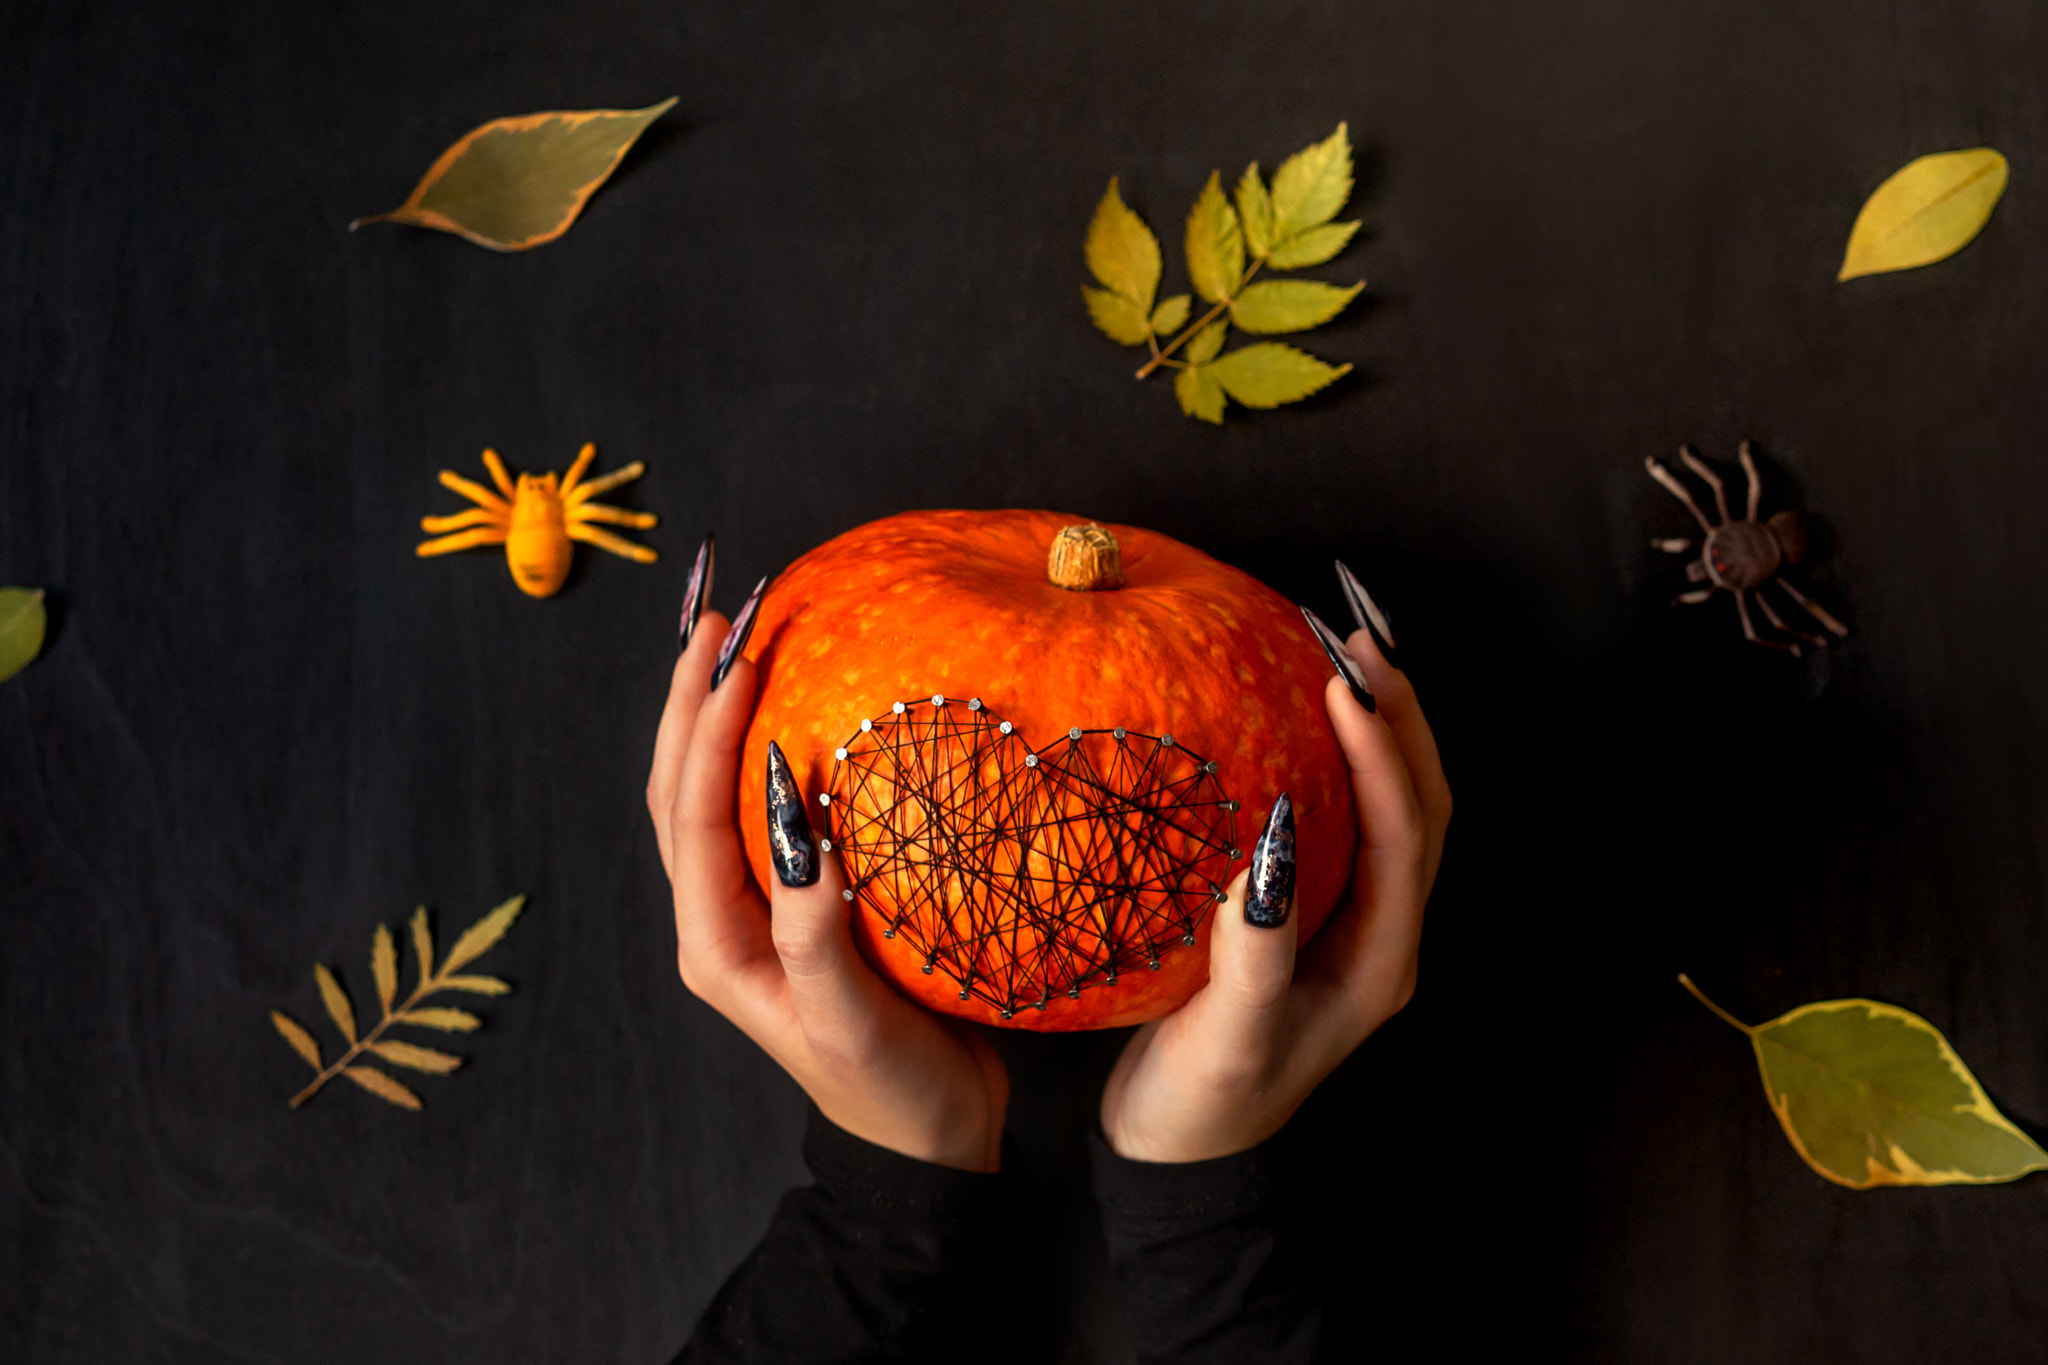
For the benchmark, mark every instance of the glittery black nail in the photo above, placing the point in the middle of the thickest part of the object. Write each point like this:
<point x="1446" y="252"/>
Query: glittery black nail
<point x="1365" y="611"/>
<point x="1270" y="889"/>
<point x="695" y="595"/>
<point x="791" y="845"/>
<point x="1340" y="659"/>
<point x="736" y="638"/>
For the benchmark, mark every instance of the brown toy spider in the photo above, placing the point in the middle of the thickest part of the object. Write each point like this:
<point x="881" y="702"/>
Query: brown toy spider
<point x="1746" y="556"/>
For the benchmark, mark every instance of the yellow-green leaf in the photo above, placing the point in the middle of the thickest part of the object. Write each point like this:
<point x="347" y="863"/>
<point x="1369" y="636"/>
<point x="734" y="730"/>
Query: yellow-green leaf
<point x="1870" y="1094"/>
<point x="1171" y="314"/>
<point x="384" y="966"/>
<point x="1930" y="208"/>
<point x="1255" y="211"/>
<point x="1312" y="247"/>
<point x="1203" y="345"/>
<point x="1272" y="306"/>
<point x="1312" y="185"/>
<point x="1271" y="373"/>
<point x="423" y="942"/>
<point x="446" y="1020"/>
<point x="1215" y="245"/>
<point x="301" y="1041"/>
<point x="479" y="938"/>
<point x="515" y="183"/>
<point x="1120" y="319"/>
<point x="1199" y="393"/>
<point x="336" y="999"/>
<point x="1122" y="253"/>
<point x="23" y="620"/>
<point x="418" y="1058"/>
<point x="382" y="1086"/>
<point x="475" y="985"/>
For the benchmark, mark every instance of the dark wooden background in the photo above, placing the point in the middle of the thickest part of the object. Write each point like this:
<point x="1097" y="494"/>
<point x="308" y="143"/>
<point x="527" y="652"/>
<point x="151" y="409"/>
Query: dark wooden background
<point x="839" y="280"/>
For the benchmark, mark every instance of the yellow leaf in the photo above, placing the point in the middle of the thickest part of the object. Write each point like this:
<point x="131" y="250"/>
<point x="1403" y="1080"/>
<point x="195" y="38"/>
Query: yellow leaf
<point x="1122" y="252"/>
<point x="384" y="966"/>
<point x="1272" y="373"/>
<point x="382" y="1086"/>
<point x="1255" y="212"/>
<point x="446" y="1020"/>
<point x="1289" y="305"/>
<point x="478" y="938"/>
<point x="1215" y="245"/>
<point x="22" y="622"/>
<point x="1312" y="185"/>
<point x="301" y="1041"/>
<point x="1170" y="315"/>
<point x="475" y="985"/>
<point x="1204" y="345"/>
<point x="418" y="1058"/>
<point x="1870" y="1094"/>
<point x="336" y="998"/>
<point x="515" y="183"/>
<point x="1120" y="319"/>
<point x="423" y="943"/>
<point x="1930" y="208"/>
<point x="1312" y="247"/>
<point x="1199" y="393"/>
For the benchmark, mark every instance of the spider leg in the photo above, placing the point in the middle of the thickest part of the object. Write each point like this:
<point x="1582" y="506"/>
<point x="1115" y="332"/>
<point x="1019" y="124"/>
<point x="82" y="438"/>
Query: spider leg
<point x="469" y="516"/>
<point x="1693" y="598"/>
<point x="1756" y="485"/>
<point x="586" y="491"/>
<point x="1771" y="615"/>
<point x="1672" y="546"/>
<point x="583" y="459"/>
<point x="1814" y="609"/>
<point x="498" y="474"/>
<point x="605" y="540"/>
<point x="462" y="540"/>
<point x="617" y="516"/>
<point x="1678" y="490"/>
<point x="475" y="492"/>
<point x="1749" y="626"/>
<point x="1706" y="471"/>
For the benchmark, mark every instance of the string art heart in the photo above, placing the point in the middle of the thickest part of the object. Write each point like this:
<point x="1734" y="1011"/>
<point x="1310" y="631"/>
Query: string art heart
<point x="1024" y="874"/>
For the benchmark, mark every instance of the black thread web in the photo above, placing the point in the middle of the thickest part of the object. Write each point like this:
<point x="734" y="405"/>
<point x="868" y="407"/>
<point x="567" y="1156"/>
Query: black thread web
<point x="1022" y="875"/>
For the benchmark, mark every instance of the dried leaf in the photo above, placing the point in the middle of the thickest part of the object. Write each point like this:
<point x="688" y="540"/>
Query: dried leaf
<point x="418" y="1058"/>
<point x="1312" y="247"/>
<point x="1215" y="245"/>
<point x="384" y="966"/>
<point x="336" y="998"/>
<point x="1870" y="1094"/>
<point x="301" y="1041"/>
<point x="1272" y="306"/>
<point x="423" y="943"/>
<point x="1204" y="345"/>
<point x="479" y="938"/>
<point x="1930" y="208"/>
<point x="1272" y="373"/>
<point x="1122" y="253"/>
<point x="1120" y="319"/>
<point x="1255" y="212"/>
<point x="475" y="985"/>
<point x="515" y="183"/>
<point x="382" y="1086"/>
<point x="1171" y="314"/>
<point x="446" y="1020"/>
<point x="23" y="620"/>
<point x="1199" y="393"/>
<point x="1312" y="185"/>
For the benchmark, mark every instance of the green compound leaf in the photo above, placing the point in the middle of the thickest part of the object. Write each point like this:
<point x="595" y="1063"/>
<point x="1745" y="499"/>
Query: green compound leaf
<point x="1215" y="245"/>
<point x="23" y="619"/>
<point x="1929" y="209"/>
<point x="1255" y="211"/>
<point x="1119" y="318"/>
<point x="1312" y="247"/>
<point x="1870" y="1094"/>
<point x="1272" y="373"/>
<point x="1122" y="253"/>
<point x="1312" y="185"/>
<point x="1207" y="343"/>
<point x="1171" y="314"/>
<point x="1274" y="306"/>
<point x="1199" y="393"/>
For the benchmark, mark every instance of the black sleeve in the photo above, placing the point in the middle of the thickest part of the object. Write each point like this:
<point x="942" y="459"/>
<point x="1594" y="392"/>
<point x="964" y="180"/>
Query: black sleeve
<point x="881" y="1260"/>
<point x="1208" y="1269"/>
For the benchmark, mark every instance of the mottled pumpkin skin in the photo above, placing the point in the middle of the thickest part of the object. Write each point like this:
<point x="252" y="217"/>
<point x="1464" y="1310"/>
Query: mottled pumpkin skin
<point x="957" y="603"/>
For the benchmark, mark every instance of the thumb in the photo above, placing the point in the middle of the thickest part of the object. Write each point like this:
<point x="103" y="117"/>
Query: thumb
<point x="1252" y="941"/>
<point x="809" y="919"/>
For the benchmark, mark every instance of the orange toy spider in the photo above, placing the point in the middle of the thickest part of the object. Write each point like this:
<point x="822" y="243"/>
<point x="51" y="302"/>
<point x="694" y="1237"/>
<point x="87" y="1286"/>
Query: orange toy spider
<point x="535" y="520"/>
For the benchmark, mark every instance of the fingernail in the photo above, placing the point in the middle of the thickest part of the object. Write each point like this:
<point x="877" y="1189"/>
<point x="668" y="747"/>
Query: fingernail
<point x="1365" y="611"/>
<point x="790" y="842"/>
<point x="1340" y="659"/>
<point x="736" y="638"/>
<point x="1270" y="889"/>
<point x="694" y="595"/>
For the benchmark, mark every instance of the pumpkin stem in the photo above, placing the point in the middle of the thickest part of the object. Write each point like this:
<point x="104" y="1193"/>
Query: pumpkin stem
<point x="1085" y="559"/>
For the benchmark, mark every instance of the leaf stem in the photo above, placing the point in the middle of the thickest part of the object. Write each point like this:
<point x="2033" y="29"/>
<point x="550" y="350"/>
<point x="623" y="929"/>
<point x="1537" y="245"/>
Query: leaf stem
<point x="1160" y="357"/>
<point x="1720" y="1013"/>
<point x="419" y="993"/>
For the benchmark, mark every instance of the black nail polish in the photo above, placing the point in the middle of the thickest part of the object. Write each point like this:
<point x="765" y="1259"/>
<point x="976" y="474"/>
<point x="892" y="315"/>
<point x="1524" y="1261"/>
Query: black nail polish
<point x="694" y="596"/>
<point x="1365" y="611"/>
<point x="1340" y="659"/>
<point x="791" y="846"/>
<point x="1270" y="890"/>
<point x="736" y="638"/>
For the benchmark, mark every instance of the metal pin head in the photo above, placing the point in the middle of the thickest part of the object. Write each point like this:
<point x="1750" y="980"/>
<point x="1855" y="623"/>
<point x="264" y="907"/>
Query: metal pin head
<point x="898" y="708"/>
<point x="974" y="703"/>
<point x="839" y="754"/>
<point x="938" y="699"/>
<point x="824" y="798"/>
<point x="1074" y="733"/>
<point x="846" y="895"/>
<point x="1119" y="732"/>
<point x="1166" y="741"/>
<point x="866" y="724"/>
<point x="1005" y="727"/>
<point x="1031" y="760"/>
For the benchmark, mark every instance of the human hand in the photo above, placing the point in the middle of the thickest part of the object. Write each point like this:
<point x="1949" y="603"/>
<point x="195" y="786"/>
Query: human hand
<point x="1227" y="1070"/>
<point x="784" y="968"/>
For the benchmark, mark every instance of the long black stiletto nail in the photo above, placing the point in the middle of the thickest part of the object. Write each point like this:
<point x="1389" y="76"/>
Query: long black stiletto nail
<point x="1365" y="611"/>
<point x="736" y="638"/>
<point x="695" y="595"/>
<point x="791" y="845"/>
<point x="1270" y="890"/>
<point x="1340" y="659"/>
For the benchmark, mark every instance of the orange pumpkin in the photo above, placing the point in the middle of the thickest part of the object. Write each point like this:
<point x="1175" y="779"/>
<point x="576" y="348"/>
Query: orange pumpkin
<point x="1030" y="875"/>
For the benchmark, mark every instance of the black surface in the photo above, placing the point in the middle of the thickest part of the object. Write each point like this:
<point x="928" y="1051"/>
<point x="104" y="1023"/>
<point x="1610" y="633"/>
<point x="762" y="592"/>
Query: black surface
<point x="840" y="280"/>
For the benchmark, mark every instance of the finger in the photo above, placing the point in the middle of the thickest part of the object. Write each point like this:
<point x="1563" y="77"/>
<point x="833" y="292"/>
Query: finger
<point x="687" y="687"/>
<point x="1251" y="967"/>
<point x="1403" y="713"/>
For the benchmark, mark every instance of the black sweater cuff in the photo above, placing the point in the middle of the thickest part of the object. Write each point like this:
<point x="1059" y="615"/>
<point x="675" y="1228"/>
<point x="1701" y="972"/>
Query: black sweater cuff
<point x="874" y="1184"/>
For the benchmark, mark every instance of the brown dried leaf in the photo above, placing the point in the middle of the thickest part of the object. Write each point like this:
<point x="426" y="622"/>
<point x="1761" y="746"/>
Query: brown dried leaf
<point x="301" y="1041"/>
<point x="423" y="943"/>
<point x="384" y="966"/>
<point x="336" y="999"/>
<point x="475" y="985"/>
<point x="382" y="1086"/>
<point x="480" y="937"/>
<point x="446" y="1020"/>
<point x="418" y="1058"/>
